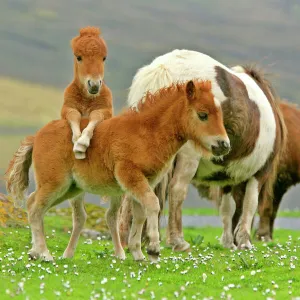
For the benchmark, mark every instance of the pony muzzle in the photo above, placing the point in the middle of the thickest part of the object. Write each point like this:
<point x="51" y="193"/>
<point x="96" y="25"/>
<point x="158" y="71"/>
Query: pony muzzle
<point x="94" y="86"/>
<point x="222" y="147"/>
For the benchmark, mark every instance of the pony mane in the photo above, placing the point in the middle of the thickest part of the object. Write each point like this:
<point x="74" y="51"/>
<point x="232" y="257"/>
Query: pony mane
<point x="89" y="42"/>
<point x="150" y="98"/>
<point x="89" y="31"/>
<point x="258" y="74"/>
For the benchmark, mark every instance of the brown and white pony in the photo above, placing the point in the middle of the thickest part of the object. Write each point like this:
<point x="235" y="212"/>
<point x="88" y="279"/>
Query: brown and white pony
<point x="254" y="125"/>
<point x="129" y="153"/>
<point x="87" y="96"/>
<point x="287" y="176"/>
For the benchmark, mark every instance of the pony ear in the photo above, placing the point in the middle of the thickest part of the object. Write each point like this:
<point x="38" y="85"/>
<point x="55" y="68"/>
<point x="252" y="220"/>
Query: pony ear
<point x="190" y="90"/>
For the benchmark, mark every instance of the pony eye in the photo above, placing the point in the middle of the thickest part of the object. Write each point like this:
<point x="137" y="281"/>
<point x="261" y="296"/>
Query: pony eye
<point x="104" y="58"/>
<point x="79" y="58"/>
<point x="203" y="116"/>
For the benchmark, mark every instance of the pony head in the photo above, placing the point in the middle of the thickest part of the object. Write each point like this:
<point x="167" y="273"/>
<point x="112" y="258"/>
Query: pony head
<point x="205" y="120"/>
<point x="89" y="56"/>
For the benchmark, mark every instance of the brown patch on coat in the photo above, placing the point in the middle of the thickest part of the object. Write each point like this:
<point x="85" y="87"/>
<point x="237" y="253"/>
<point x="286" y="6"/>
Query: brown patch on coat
<point x="241" y="116"/>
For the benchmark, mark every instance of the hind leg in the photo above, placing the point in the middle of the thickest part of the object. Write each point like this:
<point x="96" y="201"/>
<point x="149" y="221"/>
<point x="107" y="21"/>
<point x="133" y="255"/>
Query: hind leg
<point x="112" y="216"/>
<point x="125" y="219"/>
<point x="79" y="218"/>
<point x="185" y="169"/>
<point x="37" y="205"/>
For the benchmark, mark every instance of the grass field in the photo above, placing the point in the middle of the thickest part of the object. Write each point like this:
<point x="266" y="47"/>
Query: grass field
<point x="268" y="271"/>
<point x="203" y="211"/>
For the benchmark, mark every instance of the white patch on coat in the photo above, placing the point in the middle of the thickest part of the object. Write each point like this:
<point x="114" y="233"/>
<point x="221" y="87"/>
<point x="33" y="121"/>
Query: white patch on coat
<point x="244" y="168"/>
<point x="173" y="67"/>
<point x="185" y="65"/>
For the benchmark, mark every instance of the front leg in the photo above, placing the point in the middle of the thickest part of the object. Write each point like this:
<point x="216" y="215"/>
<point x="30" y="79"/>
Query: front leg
<point x="243" y="229"/>
<point x="73" y="116"/>
<point x="227" y="210"/>
<point x="185" y="169"/>
<point x="83" y="142"/>
<point x="134" y="182"/>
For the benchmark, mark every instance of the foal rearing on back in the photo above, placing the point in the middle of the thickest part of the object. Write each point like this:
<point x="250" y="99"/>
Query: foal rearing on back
<point x="128" y="154"/>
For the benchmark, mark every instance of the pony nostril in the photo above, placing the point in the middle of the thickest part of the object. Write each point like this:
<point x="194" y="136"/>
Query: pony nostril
<point x="223" y="144"/>
<point x="89" y="83"/>
<point x="100" y="82"/>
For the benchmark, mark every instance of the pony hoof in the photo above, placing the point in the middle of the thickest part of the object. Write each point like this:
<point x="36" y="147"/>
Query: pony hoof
<point x="121" y="255"/>
<point x="79" y="147"/>
<point x="34" y="255"/>
<point x="181" y="247"/>
<point x="80" y="155"/>
<point x="154" y="258"/>
<point x="153" y="255"/>
<point x="138" y="256"/>
<point x="47" y="257"/>
<point x="246" y="246"/>
<point x="243" y="240"/>
<point x="44" y="256"/>
<point x="68" y="254"/>
<point x="264" y="237"/>
<point x="227" y="242"/>
<point x="84" y="141"/>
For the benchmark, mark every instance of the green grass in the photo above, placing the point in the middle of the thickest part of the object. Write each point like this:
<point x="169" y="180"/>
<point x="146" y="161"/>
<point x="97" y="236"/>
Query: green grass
<point x="95" y="274"/>
<point x="207" y="211"/>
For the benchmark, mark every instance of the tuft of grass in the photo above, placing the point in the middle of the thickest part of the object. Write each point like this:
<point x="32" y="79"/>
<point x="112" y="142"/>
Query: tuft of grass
<point x="207" y="270"/>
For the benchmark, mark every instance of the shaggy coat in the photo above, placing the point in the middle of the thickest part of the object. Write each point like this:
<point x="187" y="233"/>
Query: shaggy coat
<point x="87" y="96"/>
<point x="254" y="125"/>
<point x="128" y="153"/>
<point x="287" y="176"/>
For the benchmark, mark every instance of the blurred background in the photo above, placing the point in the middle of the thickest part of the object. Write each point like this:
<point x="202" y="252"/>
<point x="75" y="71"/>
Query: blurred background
<point x="36" y="62"/>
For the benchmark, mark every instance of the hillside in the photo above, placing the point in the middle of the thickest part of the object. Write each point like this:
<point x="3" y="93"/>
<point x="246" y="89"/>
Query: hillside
<point x="34" y="36"/>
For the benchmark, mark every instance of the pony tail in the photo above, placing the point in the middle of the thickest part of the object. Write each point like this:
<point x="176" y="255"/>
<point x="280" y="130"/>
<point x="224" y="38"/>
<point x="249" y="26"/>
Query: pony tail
<point x="17" y="177"/>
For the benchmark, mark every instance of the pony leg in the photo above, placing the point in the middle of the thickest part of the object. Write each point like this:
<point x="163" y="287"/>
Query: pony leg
<point x="79" y="218"/>
<point x="243" y="229"/>
<point x="36" y="212"/>
<point x="125" y="219"/>
<point x="135" y="236"/>
<point x="112" y="223"/>
<point x="134" y="181"/>
<point x="265" y="210"/>
<point x="227" y="210"/>
<point x="37" y="205"/>
<point x="268" y="211"/>
<point x="185" y="169"/>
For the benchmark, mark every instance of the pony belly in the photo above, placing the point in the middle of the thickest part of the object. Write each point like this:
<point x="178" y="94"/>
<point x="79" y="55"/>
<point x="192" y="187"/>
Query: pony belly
<point x="209" y="173"/>
<point x="97" y="186"/>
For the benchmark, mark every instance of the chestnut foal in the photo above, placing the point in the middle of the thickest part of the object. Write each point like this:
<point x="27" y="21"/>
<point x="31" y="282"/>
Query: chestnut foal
<point x="129" y="153"/>
<point x="87" y="96"/>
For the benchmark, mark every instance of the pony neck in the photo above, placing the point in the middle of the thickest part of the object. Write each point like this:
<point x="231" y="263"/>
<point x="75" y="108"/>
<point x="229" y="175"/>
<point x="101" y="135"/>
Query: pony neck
<point x="166" y="118"/>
